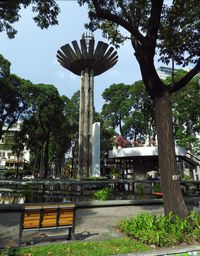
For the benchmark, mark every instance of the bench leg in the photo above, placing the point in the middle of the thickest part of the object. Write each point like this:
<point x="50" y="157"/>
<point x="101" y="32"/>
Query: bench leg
<point x="71" y="235"/>
<point x="20" y="237"/>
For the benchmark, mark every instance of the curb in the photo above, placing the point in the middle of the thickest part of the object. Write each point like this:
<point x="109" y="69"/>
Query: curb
<point x="94" y="203"/>
<point x="192" y="249"/>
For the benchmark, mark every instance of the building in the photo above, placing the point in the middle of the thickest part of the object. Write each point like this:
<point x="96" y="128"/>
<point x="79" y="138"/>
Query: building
<point x="164" y="72"/>
<point x="8" y="158"/>
<point x="137" y="162"/>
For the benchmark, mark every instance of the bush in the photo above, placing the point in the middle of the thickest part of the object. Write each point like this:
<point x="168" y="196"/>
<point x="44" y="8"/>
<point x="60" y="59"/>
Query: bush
<point x="162" y="230"/>
<point x="140" y="188"/>
<point x="28" y="194"/>
<point x="103" y="194"/>
<point x="156" y="188"/>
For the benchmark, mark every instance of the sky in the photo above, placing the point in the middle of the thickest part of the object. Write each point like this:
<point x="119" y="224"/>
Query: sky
<point x="32" y="53"/>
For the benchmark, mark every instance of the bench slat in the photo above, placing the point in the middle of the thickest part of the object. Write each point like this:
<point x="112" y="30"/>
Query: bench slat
<point x="65" y="223"/>
<point x="31" y="224"/>
<point x="48" y="223"/>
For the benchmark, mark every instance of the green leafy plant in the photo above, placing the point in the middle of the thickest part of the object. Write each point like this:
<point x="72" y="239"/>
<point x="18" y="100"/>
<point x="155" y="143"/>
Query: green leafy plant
<point x="28" y="194"/>
<point x="162" y="230"/>
<point x="8" y="252"/>
<point x="156" y="188"/>
<point x="186" y="177"/>
<point x="140" y="188"/>
<point x="116" y="173"/>
<point x="103" y="194"/>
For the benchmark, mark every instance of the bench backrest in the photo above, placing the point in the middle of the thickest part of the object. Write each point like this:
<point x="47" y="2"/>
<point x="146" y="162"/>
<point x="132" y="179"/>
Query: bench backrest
<point x="47" y="216"/>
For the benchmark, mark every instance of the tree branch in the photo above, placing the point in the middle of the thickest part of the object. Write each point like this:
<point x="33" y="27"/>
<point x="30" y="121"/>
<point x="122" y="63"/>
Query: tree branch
<point x="182" y="82"/>
<point x="154" y="23"/>
<point x="105" y="14"/>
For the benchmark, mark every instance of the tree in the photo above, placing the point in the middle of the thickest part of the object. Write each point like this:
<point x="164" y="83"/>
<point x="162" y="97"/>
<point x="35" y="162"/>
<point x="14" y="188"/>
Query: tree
<point x="45" y="124"/>
<point x="186" y="104"/>
<point x="12" y="103"/>
<point x="117" y="104"/>
<point x="173" y="31"/>
<point x="71" y="111"/>
<point x="140" y="122"/>
<point x="47" y="11"/>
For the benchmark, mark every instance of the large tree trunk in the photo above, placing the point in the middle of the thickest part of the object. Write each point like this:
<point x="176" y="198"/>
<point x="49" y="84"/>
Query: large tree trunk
<point x="172" y="195"/>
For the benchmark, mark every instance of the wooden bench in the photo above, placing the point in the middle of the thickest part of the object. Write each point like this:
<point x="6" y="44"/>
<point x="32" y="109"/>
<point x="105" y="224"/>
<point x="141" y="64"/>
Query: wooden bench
<point x="48" y="216"/>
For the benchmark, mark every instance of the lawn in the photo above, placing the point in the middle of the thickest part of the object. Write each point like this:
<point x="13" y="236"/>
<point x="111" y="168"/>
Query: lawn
<point x="101" y="248"/>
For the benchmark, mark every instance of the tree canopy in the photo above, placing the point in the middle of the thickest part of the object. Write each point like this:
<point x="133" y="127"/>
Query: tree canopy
<point x="12" y="102"/>
<point x="46" y="14"/>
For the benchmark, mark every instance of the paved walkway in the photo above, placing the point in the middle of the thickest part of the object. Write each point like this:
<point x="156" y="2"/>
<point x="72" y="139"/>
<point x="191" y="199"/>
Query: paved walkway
<point x="98" y="223"/>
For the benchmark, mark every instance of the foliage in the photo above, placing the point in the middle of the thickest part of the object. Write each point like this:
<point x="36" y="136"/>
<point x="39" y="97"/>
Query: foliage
<point x="162" y="230"/>
<point x="85" y="248"/>
<point x="186" y="104"/>
<point x="8" y="252"/>
<point x="12" y="172"/>
<point x="140" y="188"/>
<point x="119" y="141"/>
<point x="138" y="119"/>
<point x="116" y="106"/>
<point x="186" y="177"/>
<point x="139" y="123"/>
<point x="156" y="188"/>
<point x="47" y="11"/>
<point x="103" y="194"/>
<point x="12" y="102"/>
<point x="46" y="126"/>
<point x="115" y="173"/>
<point x="28" y="194"/>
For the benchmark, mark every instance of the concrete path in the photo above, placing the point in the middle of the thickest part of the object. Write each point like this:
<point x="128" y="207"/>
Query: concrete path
<point x="97" y="223"/>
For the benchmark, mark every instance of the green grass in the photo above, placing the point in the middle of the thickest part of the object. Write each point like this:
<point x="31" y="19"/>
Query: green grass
<point x="108" y="247"/>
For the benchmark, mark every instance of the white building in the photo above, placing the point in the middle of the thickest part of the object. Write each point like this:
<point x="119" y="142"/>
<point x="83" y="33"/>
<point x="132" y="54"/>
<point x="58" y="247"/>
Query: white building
<point x="164" y="72"/>
<point x="136" y="162"/>
<point x="8" y="158"/>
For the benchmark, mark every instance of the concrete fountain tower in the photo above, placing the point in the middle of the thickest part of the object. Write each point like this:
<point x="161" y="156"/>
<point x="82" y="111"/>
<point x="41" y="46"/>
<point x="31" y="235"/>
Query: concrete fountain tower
<point x="87" y="62"/>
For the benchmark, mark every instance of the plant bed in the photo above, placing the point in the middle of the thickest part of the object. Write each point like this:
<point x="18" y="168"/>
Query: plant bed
<point x="163" y="231"/>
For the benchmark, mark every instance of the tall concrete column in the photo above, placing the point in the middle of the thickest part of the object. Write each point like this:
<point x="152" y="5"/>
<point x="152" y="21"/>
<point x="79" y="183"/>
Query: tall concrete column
<point x="87" y="62"/>
<point x="81" y="124"/>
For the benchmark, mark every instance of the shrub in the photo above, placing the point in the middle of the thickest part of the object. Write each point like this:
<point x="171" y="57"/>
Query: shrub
<point x="116" y="173"/>
<point x="162" y="230"/>
<point x="156" y="188"/>
<point x="140" y="188"/>
<point x="103" y="194"/>
<point x="28" y="194"/>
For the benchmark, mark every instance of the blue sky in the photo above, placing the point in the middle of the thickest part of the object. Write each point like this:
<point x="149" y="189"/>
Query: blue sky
<point x="32" y="53"/>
